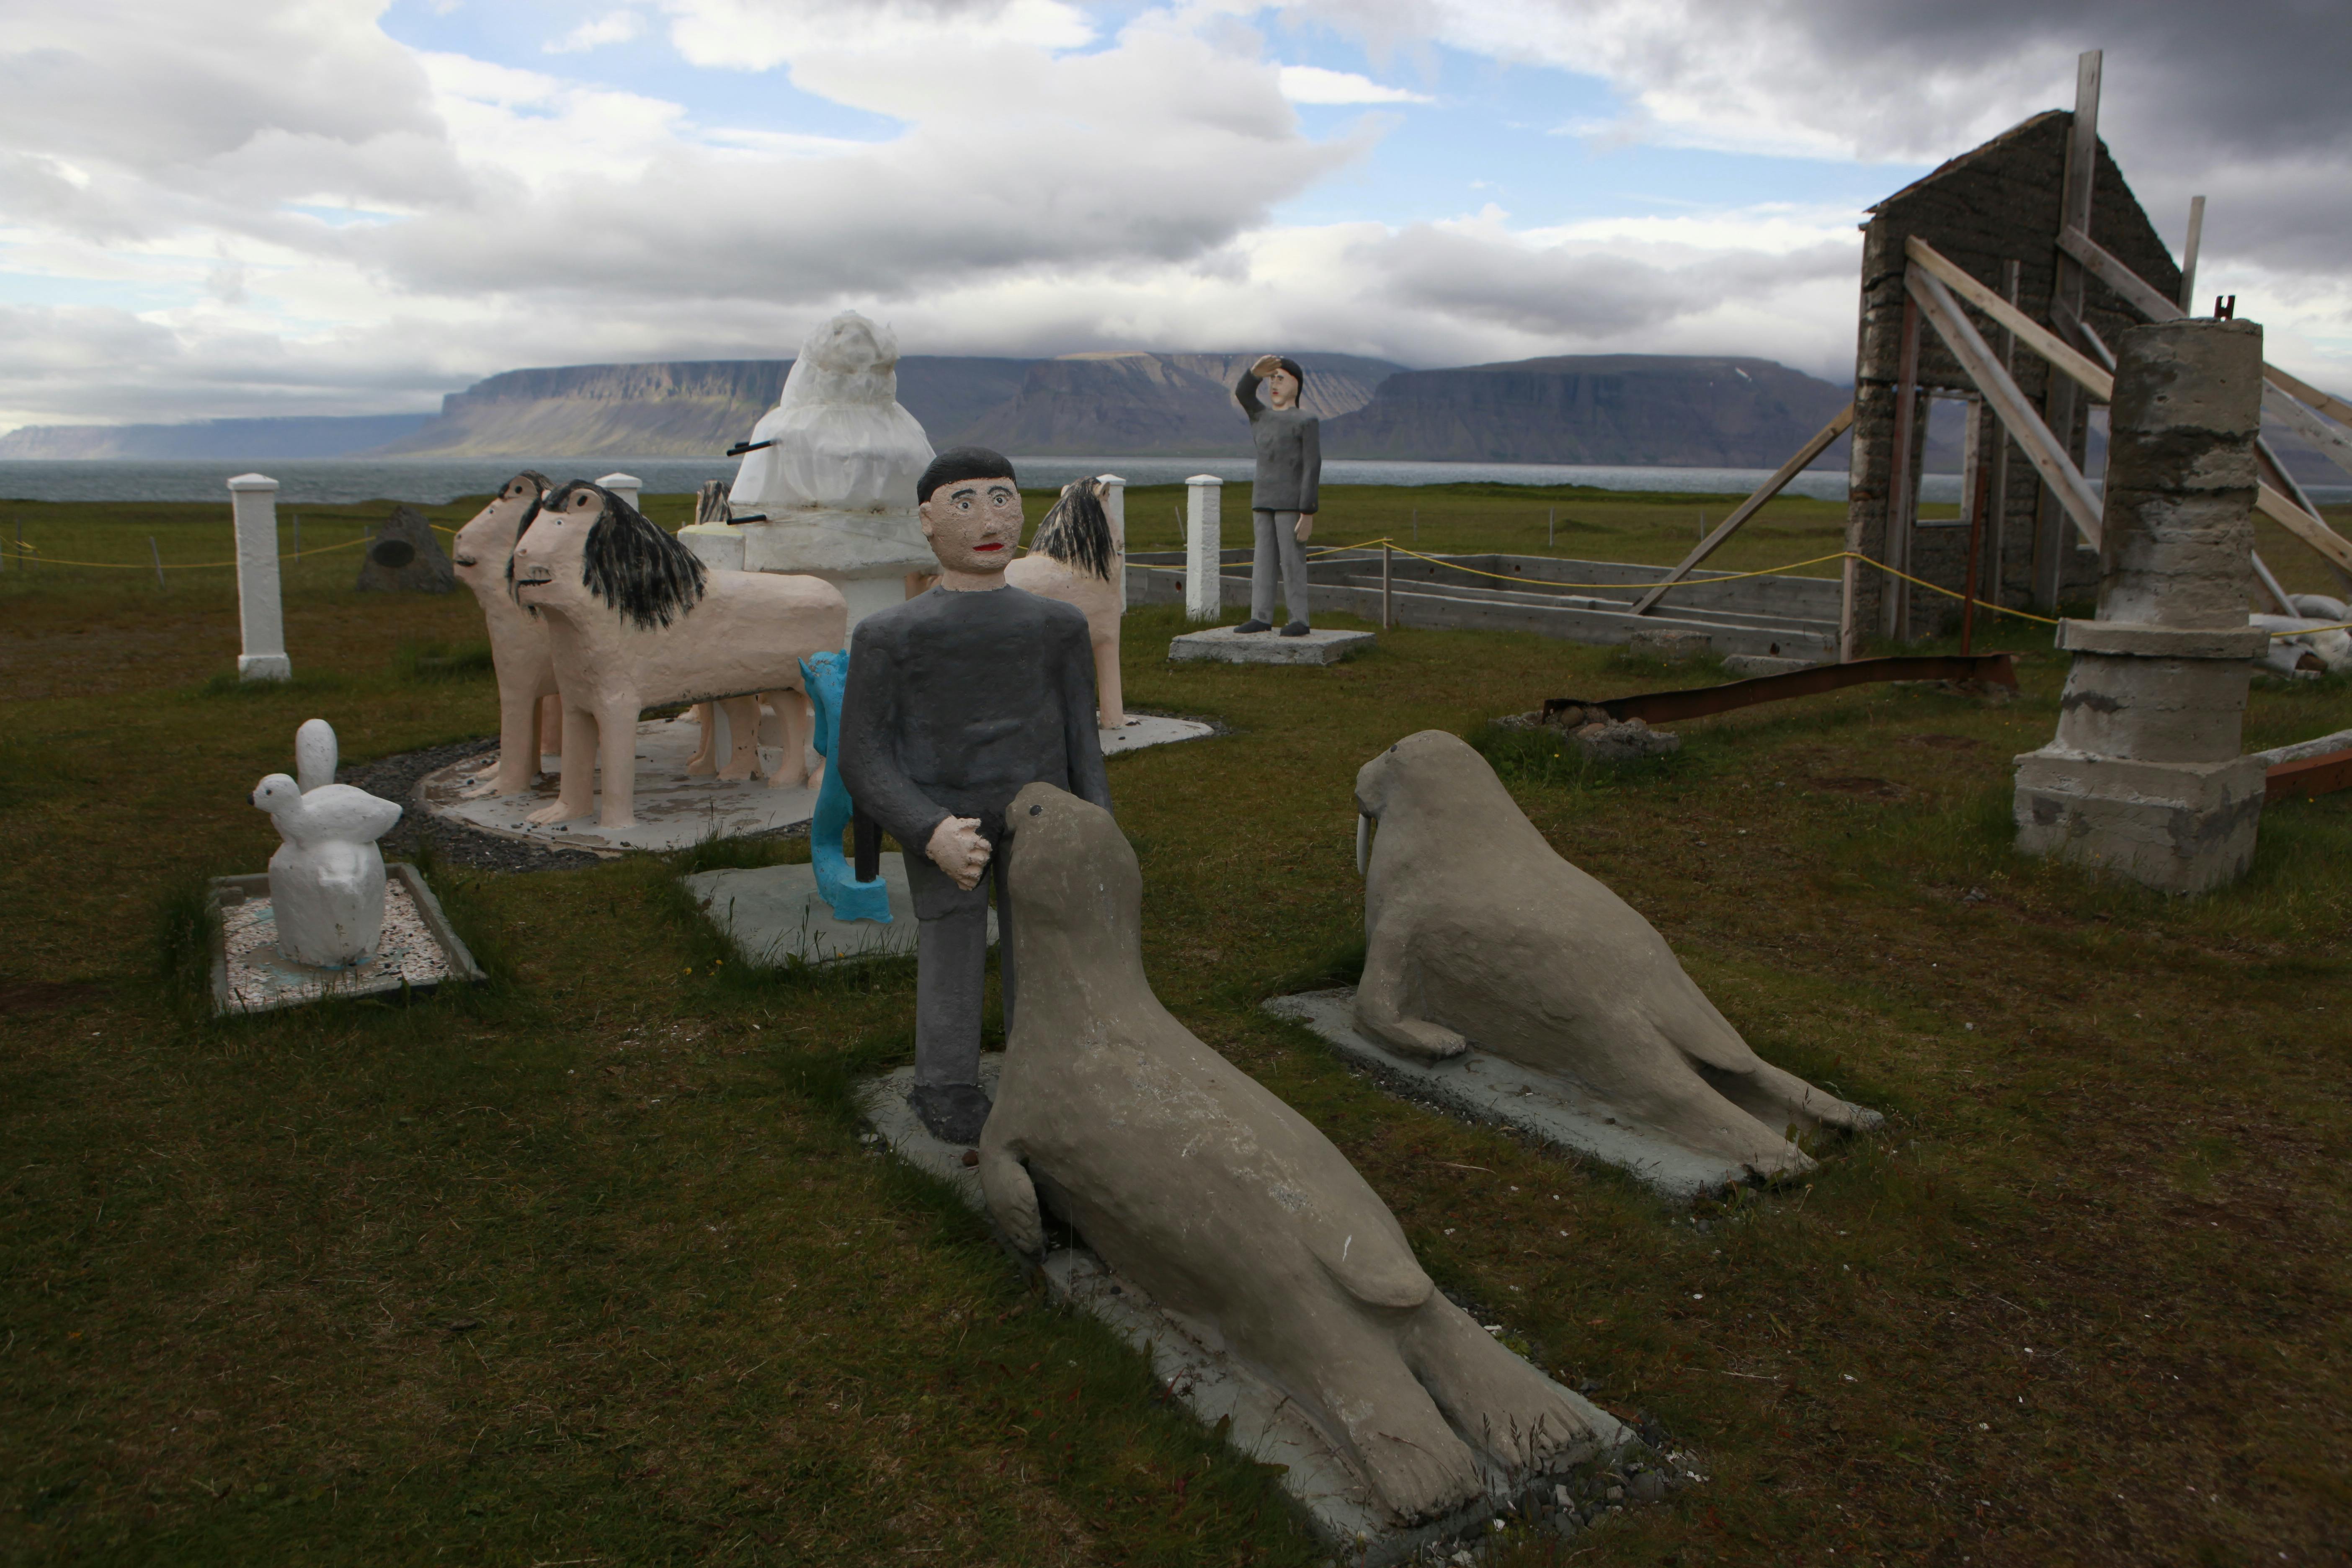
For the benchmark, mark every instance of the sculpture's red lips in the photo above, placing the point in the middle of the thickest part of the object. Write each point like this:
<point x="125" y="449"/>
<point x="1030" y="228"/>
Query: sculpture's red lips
<point x="978" y="547"/>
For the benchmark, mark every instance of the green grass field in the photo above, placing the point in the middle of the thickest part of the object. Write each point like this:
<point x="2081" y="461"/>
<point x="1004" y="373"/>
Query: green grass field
<point x="588" y="1264"/>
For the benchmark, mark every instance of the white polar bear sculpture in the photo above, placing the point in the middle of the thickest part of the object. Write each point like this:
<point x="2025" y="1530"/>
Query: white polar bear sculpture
<point x="326" y="881"/>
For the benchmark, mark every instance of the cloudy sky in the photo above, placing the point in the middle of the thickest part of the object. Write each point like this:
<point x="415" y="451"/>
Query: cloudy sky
<point x="223" y="207"/>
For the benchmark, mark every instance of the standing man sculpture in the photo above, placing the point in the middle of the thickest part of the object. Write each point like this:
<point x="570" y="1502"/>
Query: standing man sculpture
<point x="1284" y="497"/>
<point x="955" y="699"/>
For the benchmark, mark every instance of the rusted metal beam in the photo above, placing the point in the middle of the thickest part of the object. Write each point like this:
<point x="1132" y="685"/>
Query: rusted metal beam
<point x="1697" y="703"/>
<point x="2312" y="776"/>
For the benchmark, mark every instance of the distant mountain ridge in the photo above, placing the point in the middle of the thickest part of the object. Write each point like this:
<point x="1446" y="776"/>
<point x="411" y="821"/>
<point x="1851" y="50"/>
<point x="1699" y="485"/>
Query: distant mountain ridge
<point x="1698" y="411"/>
<point x="259" y="441"/>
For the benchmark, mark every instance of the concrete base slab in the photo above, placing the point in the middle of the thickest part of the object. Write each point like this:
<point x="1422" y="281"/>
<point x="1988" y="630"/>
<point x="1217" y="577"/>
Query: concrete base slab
<point x="1222" y="644"/>
<point x="1143" y="730"/>
<point x="1265" y="1425"/>
<point x="418" y="950"/>
<point x="1483" y="1088"/>
<point x="773" y="915"/>
<point x="2179" y="827"/>
<point x="674" y="810"/>
<point x="1748" y="666"/>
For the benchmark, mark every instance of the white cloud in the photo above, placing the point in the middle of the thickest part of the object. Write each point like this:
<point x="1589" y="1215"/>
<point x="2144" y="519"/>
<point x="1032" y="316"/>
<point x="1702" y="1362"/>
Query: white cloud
<point x="612" y="27"/>
<point x="1313" y="84"/>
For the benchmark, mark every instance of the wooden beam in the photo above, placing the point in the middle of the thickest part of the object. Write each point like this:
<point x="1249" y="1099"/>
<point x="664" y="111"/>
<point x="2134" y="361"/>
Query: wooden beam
<point x="2030" y="333"/>
<point x="1902" y="482"/>
<point x="2079" y="180"/>
<point x="2137" y="293"/>
<point x="1751" y="506"/>
<point x="2302" y="392"/>
<point x="2310" y="427"/>
<point x="1997" y="523"/>
<point x="2189" y="255"/>
<point x="2272" y="586"/>
<point x="2280" y="509"/>
<point x="2025" y="426"/>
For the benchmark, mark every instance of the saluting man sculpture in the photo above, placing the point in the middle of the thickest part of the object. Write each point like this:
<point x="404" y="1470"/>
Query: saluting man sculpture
<point x="1284" y="497"/>
<point x="955" y="699"/>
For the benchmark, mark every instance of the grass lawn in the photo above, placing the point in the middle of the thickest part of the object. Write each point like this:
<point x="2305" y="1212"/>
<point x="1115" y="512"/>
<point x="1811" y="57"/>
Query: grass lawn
<point x="588" y="1265"/>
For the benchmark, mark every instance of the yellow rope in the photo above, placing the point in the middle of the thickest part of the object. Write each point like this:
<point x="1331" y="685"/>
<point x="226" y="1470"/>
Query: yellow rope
<point x="25" y="549"/>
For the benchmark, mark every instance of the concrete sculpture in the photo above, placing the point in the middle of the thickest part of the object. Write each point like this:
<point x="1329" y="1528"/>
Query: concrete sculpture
<point x="1076" y="558"/>
<point x="2144" y="776"/>
<point x="316" y="755"/>
<point x="405" y="557"/>
<point x="1225" y="1205"/>
<point x="1285" y="496"/>
<point x="955" y="700"/>
<point x="1478" y="932"/>
<point x="326" y="881"/>
<point x="827" y="485"/>
<point x="531" y="706"/>
<point x="635" y="620"/>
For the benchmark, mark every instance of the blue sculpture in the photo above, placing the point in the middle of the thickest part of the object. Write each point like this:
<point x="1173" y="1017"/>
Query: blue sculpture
<point x="826" y="674"/>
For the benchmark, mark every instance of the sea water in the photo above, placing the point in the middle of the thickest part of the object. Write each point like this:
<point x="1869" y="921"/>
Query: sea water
<point x="430" y="481"/>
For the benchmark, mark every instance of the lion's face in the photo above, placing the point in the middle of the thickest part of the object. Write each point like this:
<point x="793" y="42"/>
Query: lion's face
<point x="479" y="551"/>
<point x="551" y="557"/>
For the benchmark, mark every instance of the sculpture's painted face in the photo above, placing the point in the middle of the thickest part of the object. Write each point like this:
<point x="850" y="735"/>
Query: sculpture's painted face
<point x="1281" y="389"/>
<point x="548" y="558"/>
<point x="973" y="525"/>
<point x="480" y="550"/>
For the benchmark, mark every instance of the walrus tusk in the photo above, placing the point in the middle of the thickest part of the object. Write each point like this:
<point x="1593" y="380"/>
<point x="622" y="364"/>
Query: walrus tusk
<point x="1363" y="842"/>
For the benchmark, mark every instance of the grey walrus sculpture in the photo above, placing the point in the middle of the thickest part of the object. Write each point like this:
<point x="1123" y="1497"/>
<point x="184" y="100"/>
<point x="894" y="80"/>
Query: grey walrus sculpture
<point x="1478" y="932"/>
<point x="1228" y="1207"/>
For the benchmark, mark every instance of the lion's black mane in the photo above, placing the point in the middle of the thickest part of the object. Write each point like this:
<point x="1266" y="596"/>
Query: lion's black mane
<point x="634" y="566"/>
<point x="1075" y="531"/>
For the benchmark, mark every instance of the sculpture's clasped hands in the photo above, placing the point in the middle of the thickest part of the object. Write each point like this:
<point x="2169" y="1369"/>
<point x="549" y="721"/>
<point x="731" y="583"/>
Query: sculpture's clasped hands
<point x="958" y="848"/>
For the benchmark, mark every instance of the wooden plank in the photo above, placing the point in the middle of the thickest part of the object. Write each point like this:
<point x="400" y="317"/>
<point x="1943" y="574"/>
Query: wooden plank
<point x="2309" y="426"/>
<point x="2189" y="249"/>
<point x="2302" y="392"/>
<point x="1997" y="523"/>
<point x="2282" y="510"/>
<point x="2273" y="473"/>
<point x="2139" y="295"/>
<point x="2079" y="179"/>
<point x="1752" y="505"/>
<point x="2272" y="586"/>
<point x="2025" y="426"/>
<point x="1901" y="483"/>
<point x="2029" y="332"/>
<point x="2309" y="776"/>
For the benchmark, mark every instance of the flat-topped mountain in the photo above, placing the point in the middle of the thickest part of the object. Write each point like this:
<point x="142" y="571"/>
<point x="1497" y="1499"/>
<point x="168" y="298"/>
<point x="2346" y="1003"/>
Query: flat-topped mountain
<point x="1684" y="410"/>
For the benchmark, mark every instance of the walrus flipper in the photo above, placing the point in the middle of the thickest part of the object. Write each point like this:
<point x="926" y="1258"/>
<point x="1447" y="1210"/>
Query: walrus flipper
<point x="1373" y="1265"/>
<point x="1011" y="1199"/>
<point x="1384" y="996"/>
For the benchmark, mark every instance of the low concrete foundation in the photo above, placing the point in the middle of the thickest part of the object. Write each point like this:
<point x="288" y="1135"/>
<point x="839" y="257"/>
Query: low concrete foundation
<point x="773" y="915"/>
<point x="1222" y="644"/>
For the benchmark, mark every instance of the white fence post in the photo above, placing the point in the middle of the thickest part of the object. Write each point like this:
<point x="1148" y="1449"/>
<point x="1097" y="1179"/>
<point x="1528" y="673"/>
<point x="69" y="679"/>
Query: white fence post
<point x="261" y="617"/>
<point x="1204" y="548"/>
<point x="627" y="486"/>
<point x="1114" y="499"/>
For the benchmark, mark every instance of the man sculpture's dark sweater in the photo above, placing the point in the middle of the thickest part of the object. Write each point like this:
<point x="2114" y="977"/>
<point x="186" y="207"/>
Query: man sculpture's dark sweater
<point x="957" y="699"/>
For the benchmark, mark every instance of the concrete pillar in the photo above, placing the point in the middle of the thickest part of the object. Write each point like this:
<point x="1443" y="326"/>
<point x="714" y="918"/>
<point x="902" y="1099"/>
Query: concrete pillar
<point x="261" y="616"/>
<point x="627" y="486"/>
<point x="2144" y="776"/>
<point x="1204" y="548"/>
<point x="1114" y="499"/>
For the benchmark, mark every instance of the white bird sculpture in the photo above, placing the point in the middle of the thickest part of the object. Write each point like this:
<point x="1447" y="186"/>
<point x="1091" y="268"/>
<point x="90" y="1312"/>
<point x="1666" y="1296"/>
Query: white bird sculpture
<point x="326" y="881"/>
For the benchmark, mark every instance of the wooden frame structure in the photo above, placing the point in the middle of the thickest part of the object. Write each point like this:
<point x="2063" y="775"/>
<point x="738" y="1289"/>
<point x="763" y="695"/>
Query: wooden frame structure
<point x="2022" y="209"/>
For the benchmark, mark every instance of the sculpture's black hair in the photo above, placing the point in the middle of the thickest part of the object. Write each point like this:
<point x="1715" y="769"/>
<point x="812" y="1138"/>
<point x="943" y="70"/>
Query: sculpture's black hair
<point x="634" y="566"/>
<point x="542" y="484"/>
<point x="960" y="463"/>
<point x="1076" y="531"/>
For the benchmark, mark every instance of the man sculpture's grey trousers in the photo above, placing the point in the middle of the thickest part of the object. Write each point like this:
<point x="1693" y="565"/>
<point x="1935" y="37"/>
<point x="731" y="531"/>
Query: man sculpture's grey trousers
<point x="951" y="967"/>
<point x="1277" y="530"/>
